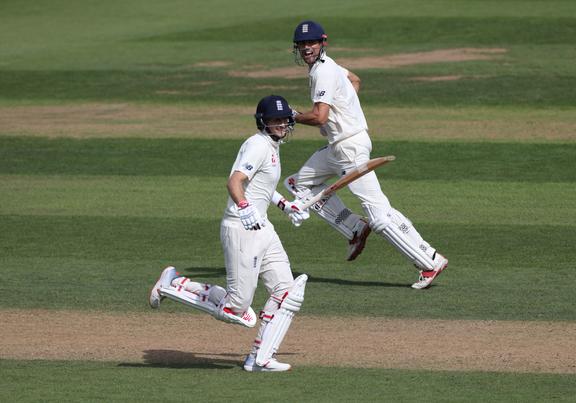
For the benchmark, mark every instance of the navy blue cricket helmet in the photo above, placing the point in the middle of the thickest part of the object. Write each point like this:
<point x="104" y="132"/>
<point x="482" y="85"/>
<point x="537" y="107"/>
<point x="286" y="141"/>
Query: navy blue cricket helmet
<point x="309" y="31"/>
<point x="273" y="107"/>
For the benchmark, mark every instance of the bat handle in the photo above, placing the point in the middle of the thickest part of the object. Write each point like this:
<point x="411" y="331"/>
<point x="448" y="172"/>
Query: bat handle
<point x="314" y="199"/>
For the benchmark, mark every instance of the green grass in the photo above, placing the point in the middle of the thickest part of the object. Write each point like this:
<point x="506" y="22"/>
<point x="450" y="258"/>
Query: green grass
<point x="67" y="381"/>
<point x="86" y="224"/>
<point x="151" y="59"/>
<point x="529" y="90"/>
<point x="444" y="161"/>
<point x="111" y="208"/>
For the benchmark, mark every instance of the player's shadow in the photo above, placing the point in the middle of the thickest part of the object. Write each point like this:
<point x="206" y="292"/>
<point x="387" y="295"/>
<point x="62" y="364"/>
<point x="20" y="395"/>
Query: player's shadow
<point x="186" y="360"/>
<point x="218" y="272"/>
<point x="357" y="283"/>
<point x="204" y="272"/>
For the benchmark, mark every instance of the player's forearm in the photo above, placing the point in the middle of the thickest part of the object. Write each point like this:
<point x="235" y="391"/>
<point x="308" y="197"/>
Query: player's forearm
<point x="355" y="80"/>
<point x="318" y="116"/>
<point x="235" y="187"/>
<point x="308" y="118"/>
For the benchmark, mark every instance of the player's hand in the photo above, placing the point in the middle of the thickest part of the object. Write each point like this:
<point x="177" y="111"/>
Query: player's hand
<point x="294" y="112"/>
<point x="295" y="212"/>
<point x="250" y="217"/>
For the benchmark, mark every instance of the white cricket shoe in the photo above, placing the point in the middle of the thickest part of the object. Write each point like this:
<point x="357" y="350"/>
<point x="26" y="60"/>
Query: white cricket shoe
<point x="271" y="366"/>
<point x="168" y="274"/>
<point x="427" y="276"/>
<point x="357" y="244"/>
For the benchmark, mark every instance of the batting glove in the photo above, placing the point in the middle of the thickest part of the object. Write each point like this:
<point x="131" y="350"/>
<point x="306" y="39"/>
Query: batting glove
<point x="294" y="112"/>
<point x="250" y="217"/>
<point x="296" y="213"/>
<point x="292" y="209"/>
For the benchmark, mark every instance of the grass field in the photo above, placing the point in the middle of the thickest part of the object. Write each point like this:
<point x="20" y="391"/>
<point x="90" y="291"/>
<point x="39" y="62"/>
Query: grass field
<point x="119" y="122"/>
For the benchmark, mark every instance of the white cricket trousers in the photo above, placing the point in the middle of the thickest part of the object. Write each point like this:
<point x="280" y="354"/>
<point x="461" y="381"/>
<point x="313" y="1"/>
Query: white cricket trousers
<point x="249" y="255"/>
<point x="337" y="159"/>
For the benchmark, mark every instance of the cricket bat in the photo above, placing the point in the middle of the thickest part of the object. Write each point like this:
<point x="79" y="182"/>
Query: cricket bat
<point x="351" y="176"/>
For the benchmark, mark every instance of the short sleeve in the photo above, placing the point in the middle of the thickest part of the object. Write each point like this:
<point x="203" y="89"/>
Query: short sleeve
<point x="325" y="85"/>
<point x="250" y="158"/>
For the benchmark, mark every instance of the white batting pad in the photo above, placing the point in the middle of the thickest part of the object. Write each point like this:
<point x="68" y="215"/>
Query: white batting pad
<point x="190" y="299"/>
<point x="408" y="247"/>
<point x="247" y="319"/>
<point x="276" y="329"/>
<point x="204" y="303"/>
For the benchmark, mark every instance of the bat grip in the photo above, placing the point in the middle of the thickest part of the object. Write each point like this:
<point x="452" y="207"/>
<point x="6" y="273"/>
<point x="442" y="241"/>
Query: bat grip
<point x="314" y="199"/>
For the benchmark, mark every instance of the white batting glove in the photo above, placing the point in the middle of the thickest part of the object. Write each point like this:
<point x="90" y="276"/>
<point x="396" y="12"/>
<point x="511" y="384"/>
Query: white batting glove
<point x="294" y="112"/>
<point x="296" y="213"/>
<point x="292" y="209"/>
<point x="250" y="217"/>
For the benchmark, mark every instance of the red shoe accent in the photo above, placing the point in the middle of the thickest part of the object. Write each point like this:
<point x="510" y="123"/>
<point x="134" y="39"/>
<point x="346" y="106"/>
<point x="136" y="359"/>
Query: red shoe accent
<point x="360" y="241"/>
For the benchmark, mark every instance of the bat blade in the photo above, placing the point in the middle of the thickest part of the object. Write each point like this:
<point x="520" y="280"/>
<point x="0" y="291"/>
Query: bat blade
<point x="350" y="177"/>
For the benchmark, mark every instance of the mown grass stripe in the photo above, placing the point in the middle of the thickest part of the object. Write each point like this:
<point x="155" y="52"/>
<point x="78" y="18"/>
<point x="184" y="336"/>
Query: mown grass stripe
<point x="142" y="238"/>
<point x="462" y="202"/>
<point x="397" y="30"/>
<point x="416" y="160"/>
<point x="147" y="381"/>
<point x="107" y="263"/>
<point x="482" y="84"/>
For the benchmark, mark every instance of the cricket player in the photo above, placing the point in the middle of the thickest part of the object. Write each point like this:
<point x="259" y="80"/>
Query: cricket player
<point x="252" y="248"/>
<point x="337" y="112"/>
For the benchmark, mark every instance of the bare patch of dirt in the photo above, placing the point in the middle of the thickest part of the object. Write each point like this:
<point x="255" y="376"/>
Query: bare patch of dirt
<point x="351" y="49"/>
<point x="282" y="72"/>
<point x="437" y="78"/>
<point x="121" y="120"/>
<point x="149" y="121"/>
<point x="186" y="339"/>
<point x="471" y="124"/>
<point x="277" y="87"/>
<point x="213" y="63"/>
<point x="383" y="62"/>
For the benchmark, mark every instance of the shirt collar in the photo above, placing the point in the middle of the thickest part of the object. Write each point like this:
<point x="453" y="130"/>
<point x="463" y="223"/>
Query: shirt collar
<point x="274" y="144"/>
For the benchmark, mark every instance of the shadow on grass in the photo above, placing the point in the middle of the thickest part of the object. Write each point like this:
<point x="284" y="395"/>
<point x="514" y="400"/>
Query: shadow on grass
<point x="204" y="272"/>
<point x="186" y="360"/>
<point x="357" y="283"/>
<point x="217" y="272"/>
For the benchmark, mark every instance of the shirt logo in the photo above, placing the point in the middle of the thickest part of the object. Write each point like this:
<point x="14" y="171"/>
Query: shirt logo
<point x="248" y="167"/>
<point x="320" y="93"/>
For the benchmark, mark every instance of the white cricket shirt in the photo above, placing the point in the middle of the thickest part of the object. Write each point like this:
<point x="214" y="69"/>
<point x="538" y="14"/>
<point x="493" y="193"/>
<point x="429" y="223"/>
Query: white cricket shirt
<point x="329" y="84"/>
<point x="259" y="160"/>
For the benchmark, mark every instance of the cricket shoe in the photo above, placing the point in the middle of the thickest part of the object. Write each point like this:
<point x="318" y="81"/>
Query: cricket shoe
<point x="271" y="366"/>
<point x="168" y="274"/>
<point x="427" y="276"/>
<point x="358" y="242"/>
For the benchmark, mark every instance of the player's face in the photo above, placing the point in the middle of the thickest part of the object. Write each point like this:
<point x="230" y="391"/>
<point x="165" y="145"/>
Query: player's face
<point x="279" y="127"/>
<point x="309" y="51"/>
